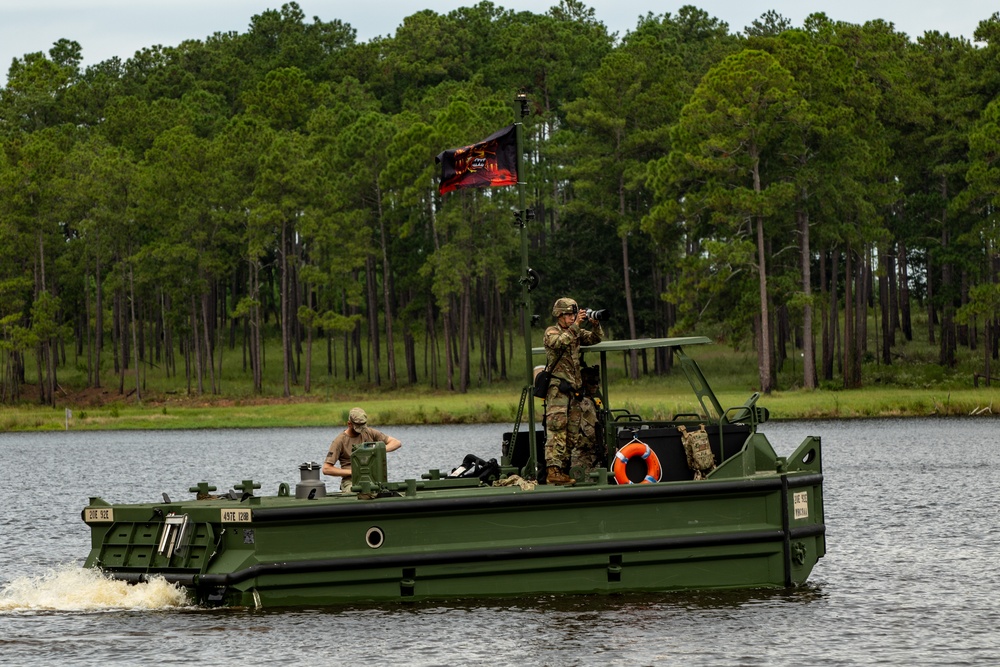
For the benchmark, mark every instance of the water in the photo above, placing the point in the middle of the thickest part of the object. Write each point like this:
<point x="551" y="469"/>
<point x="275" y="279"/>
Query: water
<point x="910" y="576"/>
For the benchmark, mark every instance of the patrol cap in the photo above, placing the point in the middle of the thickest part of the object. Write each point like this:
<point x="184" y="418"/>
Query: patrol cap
<point x="358" y="417"/>
<point x="565" y="306"/>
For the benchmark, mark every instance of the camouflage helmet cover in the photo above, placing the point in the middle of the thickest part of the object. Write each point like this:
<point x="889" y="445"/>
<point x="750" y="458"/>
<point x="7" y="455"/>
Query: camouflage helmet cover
<point x="565" y="306"/>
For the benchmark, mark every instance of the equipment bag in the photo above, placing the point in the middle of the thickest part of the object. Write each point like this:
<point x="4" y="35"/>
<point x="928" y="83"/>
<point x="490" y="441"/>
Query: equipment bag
<point x="698" y="450"/>
<point x="542" y="383"/>
<point x="473" y="466"/>
<point x="541" y="389"/>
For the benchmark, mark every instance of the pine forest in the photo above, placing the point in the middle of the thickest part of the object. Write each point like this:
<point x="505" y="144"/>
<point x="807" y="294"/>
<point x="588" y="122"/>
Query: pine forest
<point x="262" y="208"/>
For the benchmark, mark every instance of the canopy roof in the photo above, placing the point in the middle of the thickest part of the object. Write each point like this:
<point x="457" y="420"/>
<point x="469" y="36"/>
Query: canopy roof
<point x="637" y="344"/>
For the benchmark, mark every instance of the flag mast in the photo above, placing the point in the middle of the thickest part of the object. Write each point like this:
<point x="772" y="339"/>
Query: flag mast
<point x="528" y="280"/>
<point x="490" y="163"/>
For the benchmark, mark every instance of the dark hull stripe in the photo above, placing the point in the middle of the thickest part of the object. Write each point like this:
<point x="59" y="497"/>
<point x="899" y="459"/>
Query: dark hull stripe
<point x="454" y="557"/>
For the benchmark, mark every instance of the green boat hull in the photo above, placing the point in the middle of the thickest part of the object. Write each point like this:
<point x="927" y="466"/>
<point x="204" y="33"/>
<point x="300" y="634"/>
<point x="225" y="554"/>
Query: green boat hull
<point x="460" y="541"/>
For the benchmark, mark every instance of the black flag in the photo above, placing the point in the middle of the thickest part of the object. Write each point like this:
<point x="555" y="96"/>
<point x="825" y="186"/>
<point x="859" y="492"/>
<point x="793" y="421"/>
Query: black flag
<point x="491" y="162"/>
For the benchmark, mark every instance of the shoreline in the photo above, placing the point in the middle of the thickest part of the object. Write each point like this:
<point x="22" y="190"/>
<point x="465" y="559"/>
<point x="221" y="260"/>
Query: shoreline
<point x="479" y="407"/>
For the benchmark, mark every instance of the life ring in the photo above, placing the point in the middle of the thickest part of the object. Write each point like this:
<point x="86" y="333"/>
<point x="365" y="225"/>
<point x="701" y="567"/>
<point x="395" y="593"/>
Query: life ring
<point x="636" y="448"/>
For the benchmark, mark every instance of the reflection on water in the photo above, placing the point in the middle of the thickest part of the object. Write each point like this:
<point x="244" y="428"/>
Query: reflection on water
<point x="632" y="604"/>
<point x="908" y="577"/>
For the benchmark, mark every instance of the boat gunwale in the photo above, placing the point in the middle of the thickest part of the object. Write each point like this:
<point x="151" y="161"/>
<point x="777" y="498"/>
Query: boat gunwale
<point x="472" y="499"/>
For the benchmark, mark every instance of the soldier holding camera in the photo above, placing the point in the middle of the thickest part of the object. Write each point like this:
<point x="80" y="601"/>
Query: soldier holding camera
<point x="564" y="441"/>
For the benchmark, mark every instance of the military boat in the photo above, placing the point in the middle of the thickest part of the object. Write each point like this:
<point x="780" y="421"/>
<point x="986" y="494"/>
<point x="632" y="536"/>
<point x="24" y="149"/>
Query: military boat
<point x="483" y="529"/>
<point x="699" y="501"/>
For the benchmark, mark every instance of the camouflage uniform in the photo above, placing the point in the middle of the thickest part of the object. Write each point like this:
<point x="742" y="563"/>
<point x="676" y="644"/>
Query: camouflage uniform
<point x="563" y="409"/>
<point x="583" y="456"/>
<point x="591" y="453"/>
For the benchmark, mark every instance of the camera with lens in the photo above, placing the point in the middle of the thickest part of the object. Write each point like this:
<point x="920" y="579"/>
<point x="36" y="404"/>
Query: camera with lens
<point x="599" y="315"/>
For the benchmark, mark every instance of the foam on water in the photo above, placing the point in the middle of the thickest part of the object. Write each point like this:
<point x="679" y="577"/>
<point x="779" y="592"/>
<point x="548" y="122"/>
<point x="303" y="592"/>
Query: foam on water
<point x="71" y="588"/>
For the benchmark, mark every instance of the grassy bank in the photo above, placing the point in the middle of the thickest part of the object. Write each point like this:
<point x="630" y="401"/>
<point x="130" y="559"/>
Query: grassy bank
<point x="914" y="385"/>
<point x="490" y="406"/>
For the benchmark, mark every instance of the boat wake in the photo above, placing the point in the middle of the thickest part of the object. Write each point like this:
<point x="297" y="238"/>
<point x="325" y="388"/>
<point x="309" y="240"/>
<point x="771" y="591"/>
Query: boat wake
<point x="71" y="588"/>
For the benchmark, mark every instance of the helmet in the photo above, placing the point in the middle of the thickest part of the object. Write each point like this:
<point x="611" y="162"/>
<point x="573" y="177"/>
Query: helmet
<point x="565" y="306"/>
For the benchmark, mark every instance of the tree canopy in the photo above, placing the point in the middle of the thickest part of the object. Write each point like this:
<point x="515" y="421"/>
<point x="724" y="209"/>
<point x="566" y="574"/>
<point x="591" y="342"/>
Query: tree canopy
<point x="777" y="188"/>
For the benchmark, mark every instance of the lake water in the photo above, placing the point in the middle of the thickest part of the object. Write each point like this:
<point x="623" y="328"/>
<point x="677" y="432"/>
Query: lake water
<point x="910" y="576"/>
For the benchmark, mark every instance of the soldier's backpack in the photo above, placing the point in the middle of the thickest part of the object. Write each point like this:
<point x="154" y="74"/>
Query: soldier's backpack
<point x="698" y="450"/>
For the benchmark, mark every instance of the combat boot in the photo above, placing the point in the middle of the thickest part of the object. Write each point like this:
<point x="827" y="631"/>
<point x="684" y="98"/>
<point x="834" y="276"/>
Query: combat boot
<point x="558" y="477"/>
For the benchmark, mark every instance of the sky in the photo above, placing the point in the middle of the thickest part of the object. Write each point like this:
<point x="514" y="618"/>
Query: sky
<point x="108" y="28"/>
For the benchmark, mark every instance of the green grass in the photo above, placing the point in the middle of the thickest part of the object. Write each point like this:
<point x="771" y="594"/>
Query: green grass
<point x="489" y="407"/>
<point x="914" y="385"/>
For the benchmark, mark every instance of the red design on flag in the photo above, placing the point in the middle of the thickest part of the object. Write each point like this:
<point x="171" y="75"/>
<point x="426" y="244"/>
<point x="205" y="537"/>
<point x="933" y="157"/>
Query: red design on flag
<point x="489" y="163"/>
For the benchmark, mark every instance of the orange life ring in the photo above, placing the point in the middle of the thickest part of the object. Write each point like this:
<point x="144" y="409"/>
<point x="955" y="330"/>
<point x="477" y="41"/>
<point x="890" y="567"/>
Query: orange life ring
<point x="636" y="448"/>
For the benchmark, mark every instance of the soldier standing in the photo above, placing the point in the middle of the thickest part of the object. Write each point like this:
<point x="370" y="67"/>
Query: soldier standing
<point x="563" y="412"/>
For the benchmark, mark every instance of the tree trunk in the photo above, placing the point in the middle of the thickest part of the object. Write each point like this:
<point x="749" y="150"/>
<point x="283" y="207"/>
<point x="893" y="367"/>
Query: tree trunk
<point x="209" y="356"/>
<point x="931" y="313"/>
<point x="309" y="353"/>
<point x="782" y="334"/>
<point x="431" y="338"/>
<point x="500" y="332"/>
<point x="193" y="343"/>
<point x="849" y="350"/>
<point x="827" y="296"/>
<point x="891" y="279"/>
<point x="633" y="371"/>
<point x="122" y="345"/>
<point x="764" y="351"/>
<point x="91" y="369"/>
<point x="375" y="360"/>
<point x="808" y="341"/>
<point x="863" y="298"/>
<point x="947" y="349"/>
<point x="906" y="321"/>
<point x="860" y="322"/>
<point x="98" y="324"/>
<point x="390" y="344"/>
<point x="286" y="346"/>
<point x="968" y="332"/>
<point x="885" y="306"/>
<point x="410" y="356"/>
<point x="115" y="316"/>
<point x="488" y="356"/>
<point x="135" y="339"/>
<point x="449" y="363"/>
<point x="294" y="330"/>
<point x="465" y="316"/>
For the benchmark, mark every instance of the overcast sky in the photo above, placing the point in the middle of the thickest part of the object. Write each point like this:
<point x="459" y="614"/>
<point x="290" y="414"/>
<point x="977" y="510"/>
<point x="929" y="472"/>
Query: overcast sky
<point x="107" y="28"/>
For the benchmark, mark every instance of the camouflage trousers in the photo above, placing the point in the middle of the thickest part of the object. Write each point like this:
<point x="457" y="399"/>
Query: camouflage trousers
<point x="569" y="430"/>
<point x="590" y="449"/>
